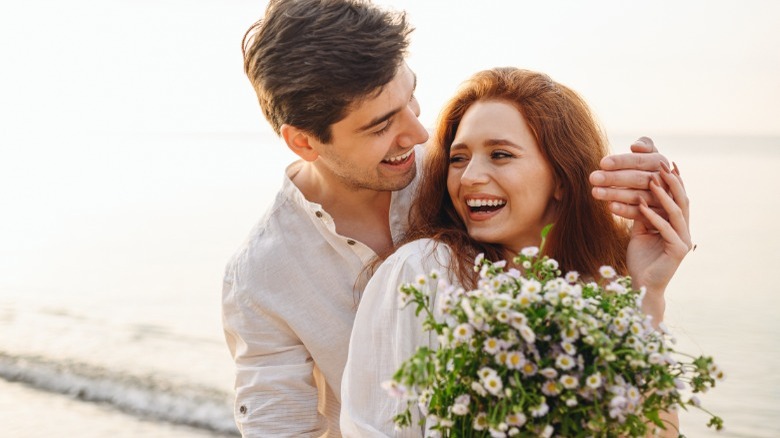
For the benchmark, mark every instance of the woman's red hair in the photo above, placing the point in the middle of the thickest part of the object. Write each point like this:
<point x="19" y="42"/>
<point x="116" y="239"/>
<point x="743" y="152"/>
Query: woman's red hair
<point x="585" y="234"/>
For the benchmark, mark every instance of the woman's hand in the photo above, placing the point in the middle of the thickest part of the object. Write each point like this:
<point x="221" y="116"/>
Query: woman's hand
<point x="658" y="245"/>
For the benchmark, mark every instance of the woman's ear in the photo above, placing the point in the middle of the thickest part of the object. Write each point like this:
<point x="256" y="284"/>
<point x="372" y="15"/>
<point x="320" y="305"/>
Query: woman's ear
<point x="558" y="193"/>
<point x="299" y="142"/>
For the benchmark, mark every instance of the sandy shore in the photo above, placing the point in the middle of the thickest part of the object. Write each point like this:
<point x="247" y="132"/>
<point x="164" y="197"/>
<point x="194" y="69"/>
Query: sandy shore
<point x="41" y="414"/>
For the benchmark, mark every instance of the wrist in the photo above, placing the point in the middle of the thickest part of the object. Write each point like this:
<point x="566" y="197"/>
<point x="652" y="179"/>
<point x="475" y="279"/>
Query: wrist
<point x="654" y="304"/>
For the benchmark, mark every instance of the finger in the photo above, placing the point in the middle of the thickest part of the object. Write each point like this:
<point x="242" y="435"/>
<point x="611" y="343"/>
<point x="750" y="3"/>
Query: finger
<point x="668" y="233"/>
<point x="674" y="185"/>
<point x="626" y="196"/>
<point x="640" y="161"/>
<point x="676" y="171"/>
<point x="676" y="218"/>
<point x="631" y="212"/>
<point x="643" y="144"/>
<point x="630" y="179"/>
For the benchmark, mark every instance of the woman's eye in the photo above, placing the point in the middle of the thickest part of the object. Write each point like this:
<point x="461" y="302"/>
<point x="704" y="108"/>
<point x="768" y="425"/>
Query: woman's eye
<point x="457" y="159"/>
<point x="501" y="154"/>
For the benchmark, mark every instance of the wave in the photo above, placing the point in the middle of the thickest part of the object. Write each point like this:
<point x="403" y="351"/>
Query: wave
<point x="147" y="396"/>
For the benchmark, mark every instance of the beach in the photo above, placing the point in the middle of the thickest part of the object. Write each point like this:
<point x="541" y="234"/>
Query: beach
<point x="110" y="279"/>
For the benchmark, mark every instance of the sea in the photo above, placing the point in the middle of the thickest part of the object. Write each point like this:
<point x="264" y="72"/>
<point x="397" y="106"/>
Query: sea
<point x="112" y="249"/>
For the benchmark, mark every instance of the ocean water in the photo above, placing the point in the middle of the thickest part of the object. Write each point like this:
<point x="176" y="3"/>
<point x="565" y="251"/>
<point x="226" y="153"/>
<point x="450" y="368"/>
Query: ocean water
<point x="113" y="248"/>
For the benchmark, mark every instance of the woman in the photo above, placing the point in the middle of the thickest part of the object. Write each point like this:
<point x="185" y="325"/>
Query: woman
<point x="512" y="153"/>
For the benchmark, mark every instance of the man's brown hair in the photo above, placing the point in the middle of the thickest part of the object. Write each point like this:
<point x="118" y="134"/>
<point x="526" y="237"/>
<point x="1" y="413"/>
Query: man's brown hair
<point x="310" y="61"/>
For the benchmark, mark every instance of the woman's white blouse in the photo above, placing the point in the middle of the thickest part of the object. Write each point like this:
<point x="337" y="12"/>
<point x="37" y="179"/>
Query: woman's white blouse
<point x="383" y="336"/>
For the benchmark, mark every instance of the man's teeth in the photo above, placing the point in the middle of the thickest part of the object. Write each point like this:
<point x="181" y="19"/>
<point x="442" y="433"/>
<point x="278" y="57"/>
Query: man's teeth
<point x="485" y="202"/>
<point x="400" y="157"/>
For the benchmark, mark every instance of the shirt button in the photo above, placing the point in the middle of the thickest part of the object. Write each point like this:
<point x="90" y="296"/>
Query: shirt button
<point x="318" y="214"/>
<point x="350" y="242"/>
<point x="242" y="409"/>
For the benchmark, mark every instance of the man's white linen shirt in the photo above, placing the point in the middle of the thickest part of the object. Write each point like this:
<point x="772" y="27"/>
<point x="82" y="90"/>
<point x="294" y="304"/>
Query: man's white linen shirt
<point x="384" y="336"/>
<point x="288" y="303"/>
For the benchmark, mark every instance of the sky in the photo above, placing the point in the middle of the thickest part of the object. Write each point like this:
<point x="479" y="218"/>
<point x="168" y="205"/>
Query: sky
<point x="662" y="67"/>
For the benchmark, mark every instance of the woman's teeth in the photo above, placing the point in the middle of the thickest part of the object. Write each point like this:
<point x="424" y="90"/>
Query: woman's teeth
<point x="476" y="203"/>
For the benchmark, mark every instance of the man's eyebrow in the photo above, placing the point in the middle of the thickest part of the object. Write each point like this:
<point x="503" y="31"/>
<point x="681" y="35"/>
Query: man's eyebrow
<point x="384" y="117"/>
<point x="378" y="120"/>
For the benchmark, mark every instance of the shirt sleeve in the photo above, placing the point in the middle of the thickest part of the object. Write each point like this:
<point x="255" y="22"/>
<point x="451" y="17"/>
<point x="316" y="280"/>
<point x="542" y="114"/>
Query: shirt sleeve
<point x="384" y="335"/>
<point x="276" y="394"/>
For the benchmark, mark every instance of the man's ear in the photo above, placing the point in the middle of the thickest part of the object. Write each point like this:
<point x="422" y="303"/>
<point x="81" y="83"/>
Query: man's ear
<point x="299" y="142"/>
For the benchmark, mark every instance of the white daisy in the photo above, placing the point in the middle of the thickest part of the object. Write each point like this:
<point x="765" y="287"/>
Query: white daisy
<point x="541" y="410"/>
<point x="530" y="251"/>
<point x="491" y="345"/>
<point x="480" y="422"/>
<point x="493" y="384"/>
<point x="593" y="381"/>
<point x="531" y="287"/>
<point x="514" y="360"/>
<point x="459" y="409"/>
<point x="463" y="332"/>
<point x="548" y="372"/>
<point x="517" y="419"/>
<point x="569" y="382"/>
<point x="565" y="362"/>
<point x="528" y="335"/>
<point x="607" y="272"/>
<point x="479" y="389"/>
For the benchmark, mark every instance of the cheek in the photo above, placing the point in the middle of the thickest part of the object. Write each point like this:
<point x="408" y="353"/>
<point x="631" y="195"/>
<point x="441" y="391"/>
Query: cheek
<point x="453" y="183"/>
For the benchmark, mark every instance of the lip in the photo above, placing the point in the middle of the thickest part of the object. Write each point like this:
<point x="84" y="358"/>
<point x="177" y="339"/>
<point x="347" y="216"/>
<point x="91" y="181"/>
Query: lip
<point x="479" y="216"/>
<point x="404" y="164"/>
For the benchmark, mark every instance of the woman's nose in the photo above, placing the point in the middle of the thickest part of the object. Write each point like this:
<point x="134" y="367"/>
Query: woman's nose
<point x="475" y="172"/>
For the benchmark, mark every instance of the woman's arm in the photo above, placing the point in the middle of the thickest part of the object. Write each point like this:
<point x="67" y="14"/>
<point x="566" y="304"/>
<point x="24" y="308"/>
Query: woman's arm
<point x="658" y="245"/>
<point x="384" y="335"/>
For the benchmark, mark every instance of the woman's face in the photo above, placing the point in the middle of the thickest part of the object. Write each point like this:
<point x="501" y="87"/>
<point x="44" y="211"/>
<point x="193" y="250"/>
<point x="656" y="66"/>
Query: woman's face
<point x="498" y="180"/>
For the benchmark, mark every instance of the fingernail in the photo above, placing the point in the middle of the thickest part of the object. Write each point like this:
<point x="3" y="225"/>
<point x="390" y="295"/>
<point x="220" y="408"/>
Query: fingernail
<point x="641" y="140"/>
<point x="676" y="169"/>
<point x="599" y="192"/>
<point x="643" y="202"/>
<point x="597" y="178"/>
<point x="607" y="163"/>
<point x="665" y="167"/>
<point x="656" y="179"/>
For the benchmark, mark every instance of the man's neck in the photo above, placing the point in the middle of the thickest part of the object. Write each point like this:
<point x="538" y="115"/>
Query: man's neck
<point x="359" y="214"/>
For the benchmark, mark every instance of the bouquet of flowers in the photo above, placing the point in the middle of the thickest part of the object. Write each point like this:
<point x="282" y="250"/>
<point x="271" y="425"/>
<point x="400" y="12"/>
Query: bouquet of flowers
<point x="533" y="353"/>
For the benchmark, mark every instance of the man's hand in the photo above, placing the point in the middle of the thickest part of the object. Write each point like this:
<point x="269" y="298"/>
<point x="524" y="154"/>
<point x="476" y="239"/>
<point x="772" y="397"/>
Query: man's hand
<point x="624" y="179"/>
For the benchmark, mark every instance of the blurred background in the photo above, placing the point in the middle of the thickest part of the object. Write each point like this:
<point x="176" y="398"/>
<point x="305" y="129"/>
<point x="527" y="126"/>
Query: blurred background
<point x="134" y="160"/>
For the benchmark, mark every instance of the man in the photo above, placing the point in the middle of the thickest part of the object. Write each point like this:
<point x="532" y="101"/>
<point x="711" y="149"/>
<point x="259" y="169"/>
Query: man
<point x="331" y="79"/>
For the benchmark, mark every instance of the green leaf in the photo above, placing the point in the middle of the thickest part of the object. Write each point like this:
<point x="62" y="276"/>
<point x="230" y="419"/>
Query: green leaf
<point x="546" y="230"/>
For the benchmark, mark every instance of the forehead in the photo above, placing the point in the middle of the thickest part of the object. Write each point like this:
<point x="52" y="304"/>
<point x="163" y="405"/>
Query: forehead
<point x="491" y="119"/>
<point x="391" y="97"/>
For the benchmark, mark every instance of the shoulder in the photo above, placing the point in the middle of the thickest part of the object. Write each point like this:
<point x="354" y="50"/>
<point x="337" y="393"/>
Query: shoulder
<point x="422" y="252"/>
<point x="415" y="258"/>
<point x="265" y="250"/>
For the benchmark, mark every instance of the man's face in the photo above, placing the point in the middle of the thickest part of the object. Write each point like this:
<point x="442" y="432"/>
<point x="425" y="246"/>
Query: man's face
<point x="373" y="147"/>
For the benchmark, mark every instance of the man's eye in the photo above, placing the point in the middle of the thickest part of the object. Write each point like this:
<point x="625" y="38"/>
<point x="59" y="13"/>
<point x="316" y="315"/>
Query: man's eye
<point x="384" y="129"/>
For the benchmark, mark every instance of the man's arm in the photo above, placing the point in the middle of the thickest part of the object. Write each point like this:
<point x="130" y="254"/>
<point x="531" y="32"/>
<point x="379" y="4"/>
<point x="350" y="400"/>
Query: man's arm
<point x="276" y="394"/>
